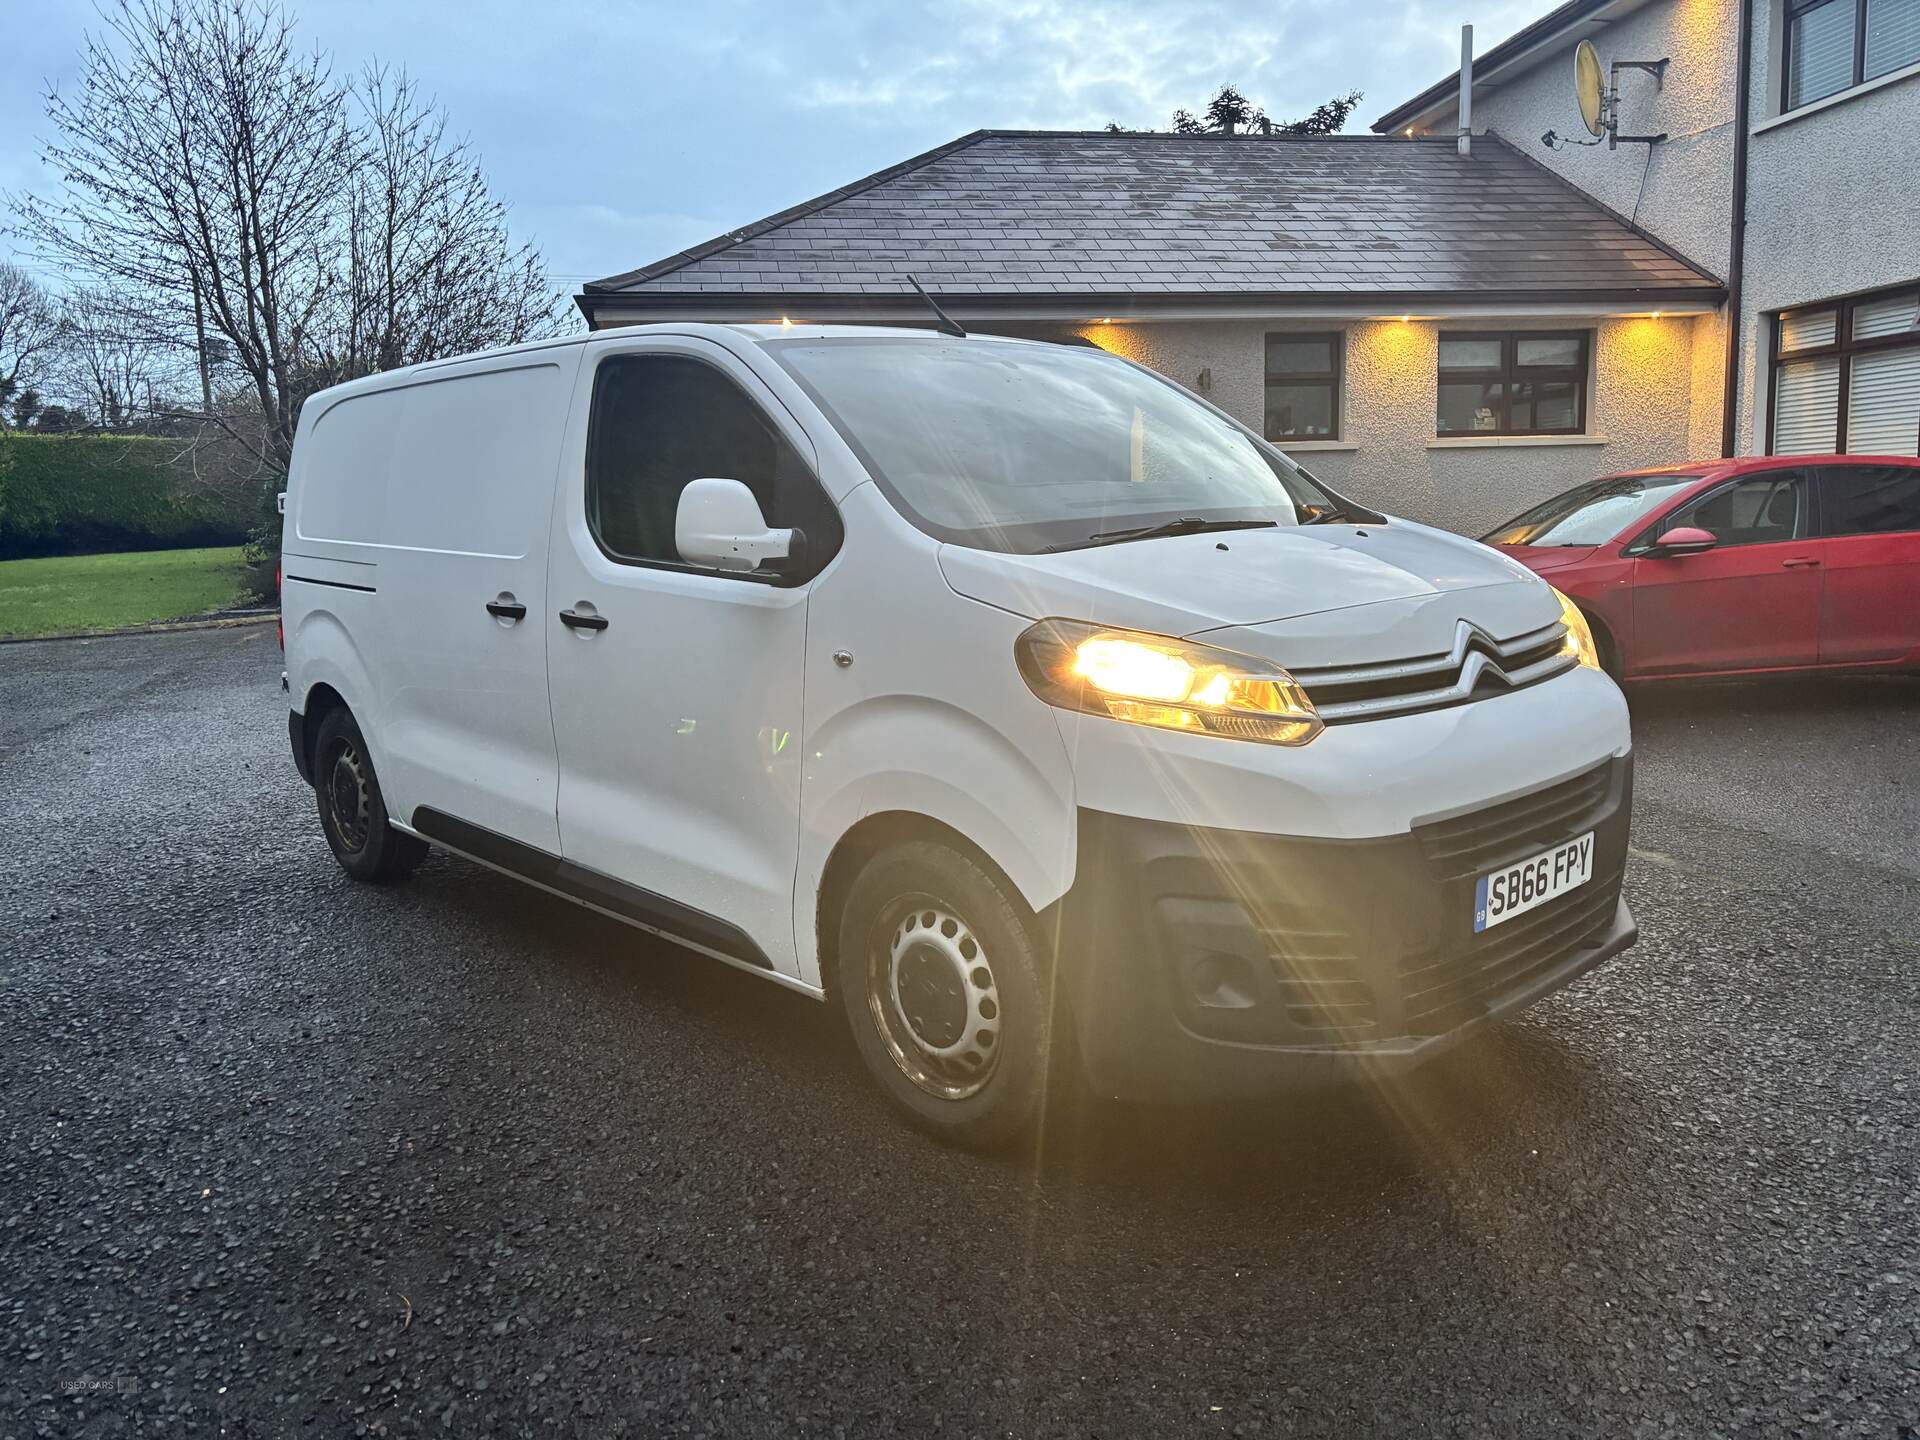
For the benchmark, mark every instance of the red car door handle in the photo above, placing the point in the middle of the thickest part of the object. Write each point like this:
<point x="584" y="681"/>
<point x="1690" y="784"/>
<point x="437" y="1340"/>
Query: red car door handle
<point x="1801" y="563"/>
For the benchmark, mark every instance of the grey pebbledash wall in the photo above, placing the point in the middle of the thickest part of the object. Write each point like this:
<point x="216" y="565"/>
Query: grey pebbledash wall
<point x="1679" y="191"/>
<point x="1833" y="204"/>
<point x="1688" y="178"/>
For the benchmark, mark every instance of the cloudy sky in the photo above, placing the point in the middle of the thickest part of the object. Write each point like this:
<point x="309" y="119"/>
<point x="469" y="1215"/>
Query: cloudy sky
<point x="623" y="130"/>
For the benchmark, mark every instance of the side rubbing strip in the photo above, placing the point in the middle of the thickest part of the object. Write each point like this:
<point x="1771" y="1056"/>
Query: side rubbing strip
<point x="590" y="887"/>
<point x="331" y="584"/>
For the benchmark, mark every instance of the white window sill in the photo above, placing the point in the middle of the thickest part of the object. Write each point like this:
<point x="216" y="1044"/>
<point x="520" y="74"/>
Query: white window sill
<point x="1501" y="442"/>
<point x="1289" y="447"/>
<point x="1879" y="82"/>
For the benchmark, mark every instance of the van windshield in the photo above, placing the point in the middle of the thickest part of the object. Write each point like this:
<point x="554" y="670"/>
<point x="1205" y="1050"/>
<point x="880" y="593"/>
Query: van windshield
<point x="1000" y="445"/>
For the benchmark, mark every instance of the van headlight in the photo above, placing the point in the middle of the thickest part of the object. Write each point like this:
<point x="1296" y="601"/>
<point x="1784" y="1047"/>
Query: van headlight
<point x="1157" y="680"/>
<point x="1579" y="641"/>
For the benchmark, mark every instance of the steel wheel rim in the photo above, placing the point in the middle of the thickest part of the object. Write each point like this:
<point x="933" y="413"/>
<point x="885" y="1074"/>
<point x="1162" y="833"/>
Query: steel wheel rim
<point x="349" y="796"/>
<point x="933" y="997"/>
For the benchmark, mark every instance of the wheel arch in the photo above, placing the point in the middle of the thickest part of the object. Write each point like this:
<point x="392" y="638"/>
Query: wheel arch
<point x="1003" y="792"/>
<point x="868" y="837"/>
<point x="1605" y="640"/>
<point x="328" y="669"/>
<point x="321" y="701"/>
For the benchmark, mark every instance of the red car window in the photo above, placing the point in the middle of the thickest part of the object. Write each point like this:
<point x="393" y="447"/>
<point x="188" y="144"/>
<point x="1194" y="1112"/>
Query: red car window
<point x="1871" y="499"/>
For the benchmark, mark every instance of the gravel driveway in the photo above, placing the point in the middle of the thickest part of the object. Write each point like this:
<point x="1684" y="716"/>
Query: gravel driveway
<point x="289" y="1156"/>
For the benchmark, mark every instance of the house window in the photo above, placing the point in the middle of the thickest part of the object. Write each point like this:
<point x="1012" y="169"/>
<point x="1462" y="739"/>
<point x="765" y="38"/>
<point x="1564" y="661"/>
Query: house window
<point x="1303" y="386"/>
<point x="1846" y="377"/>
<point x="1527" y="382"/>
<point x="1833" y="45"/>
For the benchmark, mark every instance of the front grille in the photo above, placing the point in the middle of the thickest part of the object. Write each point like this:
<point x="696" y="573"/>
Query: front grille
<point x="1472" y="843"/>
<point x="1477" y="666"/>
<point x="1442" y="991"/>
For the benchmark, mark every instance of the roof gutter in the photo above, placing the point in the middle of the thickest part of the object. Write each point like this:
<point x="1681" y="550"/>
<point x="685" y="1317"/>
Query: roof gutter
<point x="1737" y="237"/>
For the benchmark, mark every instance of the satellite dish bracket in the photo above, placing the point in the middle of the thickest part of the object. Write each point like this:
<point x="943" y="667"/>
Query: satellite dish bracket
<point x="1610" y="103"/>
<point x="1655" y="68"/>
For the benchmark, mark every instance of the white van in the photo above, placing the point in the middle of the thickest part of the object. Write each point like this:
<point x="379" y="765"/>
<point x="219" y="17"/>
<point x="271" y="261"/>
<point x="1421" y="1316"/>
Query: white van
<point x="1003" y="694"/>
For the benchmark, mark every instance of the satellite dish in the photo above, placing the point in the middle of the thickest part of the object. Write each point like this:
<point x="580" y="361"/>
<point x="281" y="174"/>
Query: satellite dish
<point x="1589" y="86"/>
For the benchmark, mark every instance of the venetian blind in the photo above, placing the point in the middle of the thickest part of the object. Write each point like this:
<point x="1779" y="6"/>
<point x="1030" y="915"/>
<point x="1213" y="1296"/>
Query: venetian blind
<point x="1806" y="407"/>
<point x="1883" y="403"/>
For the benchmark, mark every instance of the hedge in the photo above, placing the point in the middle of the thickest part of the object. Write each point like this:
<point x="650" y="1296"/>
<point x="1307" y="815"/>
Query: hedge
<point x="74" y="494"/>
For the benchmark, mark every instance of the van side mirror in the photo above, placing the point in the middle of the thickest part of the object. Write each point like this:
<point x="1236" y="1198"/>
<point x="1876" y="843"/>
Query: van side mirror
<point x="1682" y="540"/>
<point x="719" y="524"/>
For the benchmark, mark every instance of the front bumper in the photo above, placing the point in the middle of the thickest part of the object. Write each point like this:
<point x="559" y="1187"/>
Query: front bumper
<point x="1215" y="963"/>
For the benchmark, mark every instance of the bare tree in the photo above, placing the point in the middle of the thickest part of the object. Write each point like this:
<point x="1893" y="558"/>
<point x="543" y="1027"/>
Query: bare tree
<point x="432" y="270"/>
<point x="29" y="332"/>
<point x="319" y="234"/>
<point x="203" y="158"/>
<point x="115" y="361"/>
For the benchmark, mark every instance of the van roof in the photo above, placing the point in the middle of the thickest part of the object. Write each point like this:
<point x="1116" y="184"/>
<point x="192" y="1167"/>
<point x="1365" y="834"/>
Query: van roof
<point x="770" y="330"/>
<point x="756" y="333"/>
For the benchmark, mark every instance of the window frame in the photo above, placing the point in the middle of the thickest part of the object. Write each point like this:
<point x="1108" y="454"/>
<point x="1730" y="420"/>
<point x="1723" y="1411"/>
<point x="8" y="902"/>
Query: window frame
<point x="1510" y="373"/>
<point x="1792" y="10"/>
<point x="1331" y="378"/>
<point x="1809" y="509"/>
<point x="819" y="550"/>
<point x="1843" y="348"/>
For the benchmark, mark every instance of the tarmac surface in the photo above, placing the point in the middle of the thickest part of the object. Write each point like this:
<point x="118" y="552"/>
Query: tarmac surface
<point x="286" y="1155"/>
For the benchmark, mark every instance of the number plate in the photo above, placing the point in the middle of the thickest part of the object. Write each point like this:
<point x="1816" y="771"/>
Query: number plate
<point x="1515" y="889"/>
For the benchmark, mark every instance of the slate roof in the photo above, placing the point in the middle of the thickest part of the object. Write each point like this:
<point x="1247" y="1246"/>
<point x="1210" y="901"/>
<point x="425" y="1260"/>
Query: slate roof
<point x="1000" y="215"/>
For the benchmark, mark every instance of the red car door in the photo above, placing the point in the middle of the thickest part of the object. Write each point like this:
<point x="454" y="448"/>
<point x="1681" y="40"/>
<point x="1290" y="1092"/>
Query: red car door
<point x="1869" y="562"/>
<point x="1752" y="602"/>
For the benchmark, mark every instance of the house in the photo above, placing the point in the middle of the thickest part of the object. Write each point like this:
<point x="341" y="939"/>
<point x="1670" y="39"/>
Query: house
<point x="1782" y="164"/>
<point x="1450" y="330"/>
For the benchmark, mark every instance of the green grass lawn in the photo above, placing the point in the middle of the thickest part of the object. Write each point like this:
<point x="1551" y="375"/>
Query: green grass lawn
<point x="103" y="592"/>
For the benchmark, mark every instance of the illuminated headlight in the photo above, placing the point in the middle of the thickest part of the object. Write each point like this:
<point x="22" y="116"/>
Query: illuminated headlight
<point x="1156" y="680"/>
<point x="1579" y="641"/>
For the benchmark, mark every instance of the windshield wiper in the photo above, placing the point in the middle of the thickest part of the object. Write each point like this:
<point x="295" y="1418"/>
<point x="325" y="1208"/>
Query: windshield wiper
<point x="1345" y="514"/>
<point x="1185" y="525"/>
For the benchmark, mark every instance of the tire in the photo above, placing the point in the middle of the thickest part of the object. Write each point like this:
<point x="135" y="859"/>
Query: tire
<point x="947" y="989"/>
<point x="353" y="815"/>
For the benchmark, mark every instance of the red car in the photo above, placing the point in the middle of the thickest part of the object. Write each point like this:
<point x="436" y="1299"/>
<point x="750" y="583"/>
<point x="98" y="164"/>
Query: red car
<point x="1738" y="567"/>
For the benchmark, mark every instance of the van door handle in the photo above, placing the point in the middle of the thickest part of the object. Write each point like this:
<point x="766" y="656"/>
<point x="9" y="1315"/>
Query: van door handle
<point x="1804" y="562"/>
<point x="574" y="620"/>
<point x="507" y="609"/>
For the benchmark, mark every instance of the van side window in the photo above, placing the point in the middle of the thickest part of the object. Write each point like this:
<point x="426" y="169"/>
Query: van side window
<point x="659" y="421"/>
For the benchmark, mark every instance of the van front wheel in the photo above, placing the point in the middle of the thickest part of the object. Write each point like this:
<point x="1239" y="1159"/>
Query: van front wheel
<point x="352" y="812"/>
<point x="943" y="982"/>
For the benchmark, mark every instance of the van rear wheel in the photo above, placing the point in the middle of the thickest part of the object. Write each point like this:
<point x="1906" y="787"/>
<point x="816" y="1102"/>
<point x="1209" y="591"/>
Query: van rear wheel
<point x="353" y="815"/>
<point x="943" y="982"/>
